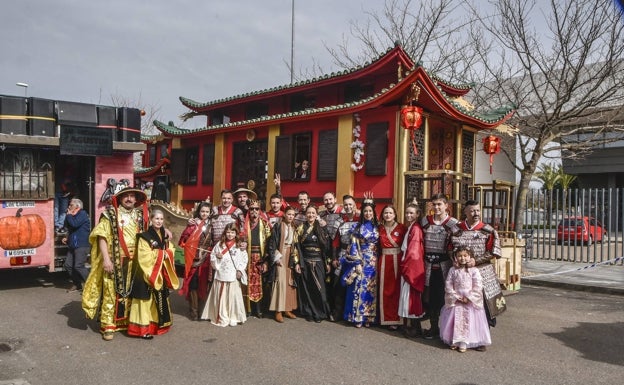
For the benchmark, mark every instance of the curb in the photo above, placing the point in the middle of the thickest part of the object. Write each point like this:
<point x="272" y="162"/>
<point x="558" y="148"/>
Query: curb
<point x="573" y="286"/>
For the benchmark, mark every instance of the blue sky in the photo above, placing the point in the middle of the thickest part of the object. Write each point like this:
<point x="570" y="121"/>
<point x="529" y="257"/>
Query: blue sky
<point x="155" y="51"/>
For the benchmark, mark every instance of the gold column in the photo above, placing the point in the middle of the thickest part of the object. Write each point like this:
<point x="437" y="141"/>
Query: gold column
<point x="401" y="164"/>
<point x="219" y="168"/>
<point x="344" y="175"/>
<point x="177" y="190"/>
<point x="273" y="133"/>
<point x="425" y="154"/>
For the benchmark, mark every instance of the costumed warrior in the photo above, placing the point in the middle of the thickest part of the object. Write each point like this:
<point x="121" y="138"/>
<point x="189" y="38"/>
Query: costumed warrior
<point x="483" y="240"/>
<point x="225" y="214"/>
<point x="256" y="232"/>
<point x="113" y="241"/>
<point x="437" y="229"/>
<point x="196" y="240"/>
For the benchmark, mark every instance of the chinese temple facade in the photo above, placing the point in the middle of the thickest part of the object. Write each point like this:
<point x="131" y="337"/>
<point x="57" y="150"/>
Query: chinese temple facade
<point x="352" y="128"/>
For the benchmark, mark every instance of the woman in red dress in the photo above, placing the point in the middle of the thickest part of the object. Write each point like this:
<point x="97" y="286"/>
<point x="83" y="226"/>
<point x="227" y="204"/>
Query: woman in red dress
<point x="391" y="234"/>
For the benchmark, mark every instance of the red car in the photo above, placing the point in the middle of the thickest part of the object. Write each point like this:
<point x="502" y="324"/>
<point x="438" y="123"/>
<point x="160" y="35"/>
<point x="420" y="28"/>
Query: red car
<point x="580" y="230"/>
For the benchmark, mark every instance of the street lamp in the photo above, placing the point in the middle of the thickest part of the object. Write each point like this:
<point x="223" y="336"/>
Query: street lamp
<point x="25" y="88"/>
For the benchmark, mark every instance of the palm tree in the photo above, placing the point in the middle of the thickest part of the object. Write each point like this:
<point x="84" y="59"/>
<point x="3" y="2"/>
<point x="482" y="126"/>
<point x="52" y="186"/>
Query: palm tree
<point x="565" y="181"/>
<point x="549" y="175"/>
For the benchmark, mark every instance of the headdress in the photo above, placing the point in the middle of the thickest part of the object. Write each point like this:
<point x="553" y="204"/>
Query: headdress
<point x="139" y="194"/>
<point x="250" y="194"/>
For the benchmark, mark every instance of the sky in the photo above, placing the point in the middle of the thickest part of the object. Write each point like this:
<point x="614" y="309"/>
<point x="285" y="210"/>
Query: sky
<point x="152" y="52"/>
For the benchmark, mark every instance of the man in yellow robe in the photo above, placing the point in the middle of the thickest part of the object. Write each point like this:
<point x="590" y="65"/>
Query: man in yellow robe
<point x="113" y="239"/>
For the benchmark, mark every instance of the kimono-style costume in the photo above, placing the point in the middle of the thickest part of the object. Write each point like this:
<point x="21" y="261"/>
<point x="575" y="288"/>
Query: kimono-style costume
<point x="412" y="274"/>
<point x="359" y="274"/>
<point x="314" y="246"/>
<point x="225" y="304"/>
<point x="197" y="243"/>
<point x="390" y="241"/>
<point x="155" y="274"/>
<point x="464" y="323"/>
<point x="341" y="244"/>
<point x="281" y="248"/>
<point x="109" y="294"/>
<point x="257" y="235"/>
<point x="483" y="240"/>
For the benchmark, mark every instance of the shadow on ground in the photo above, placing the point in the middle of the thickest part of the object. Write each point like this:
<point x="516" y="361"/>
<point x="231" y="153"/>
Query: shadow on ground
<point x="595" y="341"/>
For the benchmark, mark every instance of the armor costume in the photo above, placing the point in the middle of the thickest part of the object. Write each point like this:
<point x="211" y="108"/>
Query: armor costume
<point x="437" y="243"/>
<point x="483" y="240"/>
<point x="221" y="218"/>
<point x="332" y="220"/>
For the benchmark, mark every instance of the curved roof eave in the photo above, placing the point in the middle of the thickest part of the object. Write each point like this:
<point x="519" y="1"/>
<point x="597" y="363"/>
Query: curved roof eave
<point x="149" y="171"/>
<point x="456" y="111"/>
<point x="392" y="54"/>
<point x="435" y="101"/>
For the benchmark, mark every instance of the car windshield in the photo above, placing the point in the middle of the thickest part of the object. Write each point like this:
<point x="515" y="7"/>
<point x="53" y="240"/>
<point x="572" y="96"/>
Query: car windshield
<point x="571" y="222"/>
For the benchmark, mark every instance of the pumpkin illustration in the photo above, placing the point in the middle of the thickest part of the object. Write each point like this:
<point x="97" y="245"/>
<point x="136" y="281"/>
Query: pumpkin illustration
<point x="22" y="231"/>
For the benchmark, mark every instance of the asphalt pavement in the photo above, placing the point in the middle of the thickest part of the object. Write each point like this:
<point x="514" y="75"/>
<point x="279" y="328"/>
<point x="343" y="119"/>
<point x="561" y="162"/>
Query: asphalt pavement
<point x="606" y="278"/>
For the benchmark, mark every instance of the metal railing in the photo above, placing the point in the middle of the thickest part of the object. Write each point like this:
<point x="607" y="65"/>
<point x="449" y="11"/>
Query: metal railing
<point x="576" y="225"/>
<point x="32" y="185"/>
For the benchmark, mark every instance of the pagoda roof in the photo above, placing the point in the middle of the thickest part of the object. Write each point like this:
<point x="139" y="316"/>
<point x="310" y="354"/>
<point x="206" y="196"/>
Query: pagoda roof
<point x="433" y="98"/>
<point x="151" y="139"/>
<point x="140" y="172"/>
<point x="389" y="59"/>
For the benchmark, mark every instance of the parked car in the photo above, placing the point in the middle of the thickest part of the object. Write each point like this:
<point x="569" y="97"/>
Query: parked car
<point x="580" y="230"/>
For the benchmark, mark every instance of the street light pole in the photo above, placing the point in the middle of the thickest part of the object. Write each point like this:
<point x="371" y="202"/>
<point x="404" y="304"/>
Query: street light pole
<point x="25" y="85"/>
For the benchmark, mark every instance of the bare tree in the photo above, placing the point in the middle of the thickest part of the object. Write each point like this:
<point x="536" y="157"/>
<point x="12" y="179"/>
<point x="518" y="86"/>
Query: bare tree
<point x="432" y="32"/>
<point x="152" y="112"/>
<point x="565" y="79"/>
<point x="560" y="64"/>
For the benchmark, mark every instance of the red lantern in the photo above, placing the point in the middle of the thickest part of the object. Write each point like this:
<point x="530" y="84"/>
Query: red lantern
<point x="491" y="146"/>
<point x="411" y="118"/>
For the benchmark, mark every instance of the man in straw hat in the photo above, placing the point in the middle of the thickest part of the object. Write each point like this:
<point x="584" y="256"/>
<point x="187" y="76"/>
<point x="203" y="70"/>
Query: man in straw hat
<point x="113" y="239"/>
<point x="242" y="197"/>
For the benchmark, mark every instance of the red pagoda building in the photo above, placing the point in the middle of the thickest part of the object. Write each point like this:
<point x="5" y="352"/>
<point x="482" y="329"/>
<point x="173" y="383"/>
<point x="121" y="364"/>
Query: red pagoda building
<point x="352" y="128"/>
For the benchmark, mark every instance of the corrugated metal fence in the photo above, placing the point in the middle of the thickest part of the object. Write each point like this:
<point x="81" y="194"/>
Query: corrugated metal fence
<point x="576" y="225"/>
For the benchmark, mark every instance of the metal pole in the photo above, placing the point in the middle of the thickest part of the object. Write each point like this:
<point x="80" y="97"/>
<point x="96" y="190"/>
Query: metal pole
<point x="292" y="44"/>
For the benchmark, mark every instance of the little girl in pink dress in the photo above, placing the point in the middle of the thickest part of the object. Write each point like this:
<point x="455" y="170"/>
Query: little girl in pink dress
<point x="463" y="324"/>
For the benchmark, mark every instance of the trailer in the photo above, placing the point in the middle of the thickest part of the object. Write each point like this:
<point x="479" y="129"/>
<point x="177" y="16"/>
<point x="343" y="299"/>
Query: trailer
<point x="50" y="152"/>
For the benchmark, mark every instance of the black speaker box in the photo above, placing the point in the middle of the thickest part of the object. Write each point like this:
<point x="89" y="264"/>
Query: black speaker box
<point x="13" y="117"/>
<point x="41" y="120"/>
<point x="77" y="114"/>
<point x="107" y="120"/>
<point x="129" y="124"/>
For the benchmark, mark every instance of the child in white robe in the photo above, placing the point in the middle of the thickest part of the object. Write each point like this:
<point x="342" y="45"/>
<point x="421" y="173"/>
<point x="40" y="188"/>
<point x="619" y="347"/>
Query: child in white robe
<point x="225" y="304"/>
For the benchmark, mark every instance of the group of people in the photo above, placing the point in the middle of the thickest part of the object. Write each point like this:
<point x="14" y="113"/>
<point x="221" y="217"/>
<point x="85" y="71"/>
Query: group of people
<point x="341" y="263"/>
<point x="334" y="263"/>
